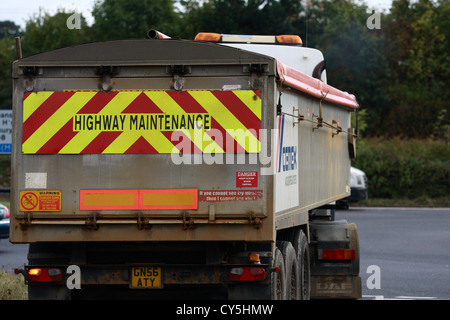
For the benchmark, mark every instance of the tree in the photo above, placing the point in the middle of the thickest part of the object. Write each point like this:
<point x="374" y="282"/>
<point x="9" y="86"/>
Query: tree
<point x="419" y="54"/>
<point x="7" y="56"/>
<point x="398" y="73"/>
<point x="240" y="16"/>
<point x="8" y="28"/>
<point x="354" y="54"/>
<point x="125" y="19"/>
<point x="45" y="32"/>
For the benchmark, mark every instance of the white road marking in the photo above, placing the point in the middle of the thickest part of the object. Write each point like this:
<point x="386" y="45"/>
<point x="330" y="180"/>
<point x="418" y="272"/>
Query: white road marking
<point x="381" y="297"/>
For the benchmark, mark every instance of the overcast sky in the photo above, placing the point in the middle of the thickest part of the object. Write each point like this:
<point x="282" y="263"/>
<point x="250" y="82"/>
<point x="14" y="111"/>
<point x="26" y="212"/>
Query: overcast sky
<point x="21" y="10"/>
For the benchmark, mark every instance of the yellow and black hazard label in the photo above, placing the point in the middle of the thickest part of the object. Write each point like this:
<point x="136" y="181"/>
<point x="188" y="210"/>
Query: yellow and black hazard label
<point x="77" y="122"/>
<point x="41" y="200"/>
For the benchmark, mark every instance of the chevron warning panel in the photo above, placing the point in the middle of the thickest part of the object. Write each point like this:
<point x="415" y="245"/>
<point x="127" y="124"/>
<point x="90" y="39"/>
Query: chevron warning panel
<point x="144" y="121"/>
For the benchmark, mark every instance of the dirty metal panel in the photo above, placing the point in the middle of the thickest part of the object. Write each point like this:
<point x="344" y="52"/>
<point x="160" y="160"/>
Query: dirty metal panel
<point x="144" y="52"/>
<point x="149" y="66"/>
<point x="313" y="164"/>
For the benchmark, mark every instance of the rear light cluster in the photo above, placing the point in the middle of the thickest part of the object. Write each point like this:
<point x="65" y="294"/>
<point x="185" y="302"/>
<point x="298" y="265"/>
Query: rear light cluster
<point x="336" y="254"/>
<point x="45" y="275"/>
<point x="247" y="274"/>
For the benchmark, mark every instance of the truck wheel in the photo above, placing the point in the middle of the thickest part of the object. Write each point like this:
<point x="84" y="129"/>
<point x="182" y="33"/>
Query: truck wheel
<point x="302" y="249"/>
<point x="278" y="279"/>
<point x="292" y="270"/>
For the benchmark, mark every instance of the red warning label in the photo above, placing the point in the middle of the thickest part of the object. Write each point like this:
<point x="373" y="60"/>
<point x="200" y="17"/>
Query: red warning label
<point x="229" y="195"/>
<point x="45" y="200"/>
<point x="246" y="179"/>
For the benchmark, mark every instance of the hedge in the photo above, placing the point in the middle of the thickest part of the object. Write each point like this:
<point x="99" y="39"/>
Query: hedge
<point x="399" y="168"/>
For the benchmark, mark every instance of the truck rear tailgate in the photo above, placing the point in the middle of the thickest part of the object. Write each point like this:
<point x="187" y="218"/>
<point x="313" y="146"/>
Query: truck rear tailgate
<point x="109" y="150"/>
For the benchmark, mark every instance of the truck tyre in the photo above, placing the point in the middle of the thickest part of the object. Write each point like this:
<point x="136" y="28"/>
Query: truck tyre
<point x="302" y="248"/>
<point x="292" y="270"/>
<point x="278" y="277"/>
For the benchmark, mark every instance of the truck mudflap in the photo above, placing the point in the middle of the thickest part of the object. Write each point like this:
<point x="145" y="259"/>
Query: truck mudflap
<point x="334" y="254"/>
<point x="330" y="286"/>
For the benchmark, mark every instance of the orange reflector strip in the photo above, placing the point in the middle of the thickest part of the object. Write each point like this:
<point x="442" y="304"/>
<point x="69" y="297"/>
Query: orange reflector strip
<point x="207" y="36"/>
<point x="168" y="199"/>
<point x="144" y="199"/>
<point x="109" y="199"/>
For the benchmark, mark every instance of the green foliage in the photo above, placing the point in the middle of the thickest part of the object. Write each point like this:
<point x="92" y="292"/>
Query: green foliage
<point x="8" y="28"/>
<point x="398" y="73"/>
<point x="45" y="32"/>
<point x="240" y="17"/>
<point x="355" y="57"/>
<point x="418" y="51"/>
<point x="359" y="120"/>
<point x="5" y="170"/>
<point x="405" y="168"/>
<point x="7" y="56"/>
<point x="118" y="19"/>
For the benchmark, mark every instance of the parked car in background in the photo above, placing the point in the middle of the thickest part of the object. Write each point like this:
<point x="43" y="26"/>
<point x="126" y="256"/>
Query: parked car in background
<point x="359" y="188"/>
<point x="4" y="222"/>
<point x="359" y="185"/>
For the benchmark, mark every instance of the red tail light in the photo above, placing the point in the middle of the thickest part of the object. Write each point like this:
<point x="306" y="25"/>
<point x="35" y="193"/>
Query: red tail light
<point x="247" y="274"/>
<point x="45" y="275"/>
<point x="336" y="254"/>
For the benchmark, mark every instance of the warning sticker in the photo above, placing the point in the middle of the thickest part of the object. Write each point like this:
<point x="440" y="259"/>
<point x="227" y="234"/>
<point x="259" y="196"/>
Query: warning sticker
<point x="42" y="200"/>
<point x="229" y="195"/>
<point x="246" y="179"/>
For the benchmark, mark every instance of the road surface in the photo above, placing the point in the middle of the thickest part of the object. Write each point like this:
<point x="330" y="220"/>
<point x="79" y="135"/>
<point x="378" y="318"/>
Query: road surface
<point x="408" y="249"/>
<point x="12" y="255"/>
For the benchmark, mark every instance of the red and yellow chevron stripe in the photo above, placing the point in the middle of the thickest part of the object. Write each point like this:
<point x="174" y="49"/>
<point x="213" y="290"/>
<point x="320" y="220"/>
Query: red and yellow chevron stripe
<point x="82" y="122"/>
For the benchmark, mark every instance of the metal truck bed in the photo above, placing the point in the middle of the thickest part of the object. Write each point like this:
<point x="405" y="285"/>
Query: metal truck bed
<point x="171" y="140"/>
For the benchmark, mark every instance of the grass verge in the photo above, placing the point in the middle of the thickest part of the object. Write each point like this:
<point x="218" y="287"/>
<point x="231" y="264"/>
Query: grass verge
<point x="12" y="287"/>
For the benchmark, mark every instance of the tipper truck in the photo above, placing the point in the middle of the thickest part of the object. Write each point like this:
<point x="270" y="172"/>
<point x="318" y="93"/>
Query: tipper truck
<point x="175" y="169"/>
